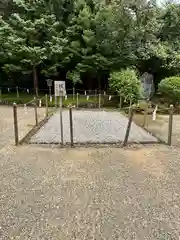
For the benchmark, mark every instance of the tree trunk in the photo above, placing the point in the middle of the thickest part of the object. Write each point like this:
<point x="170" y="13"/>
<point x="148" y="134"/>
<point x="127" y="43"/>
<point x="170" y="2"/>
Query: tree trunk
<point x="99" y="83"/>
<point x="35" y="79"/>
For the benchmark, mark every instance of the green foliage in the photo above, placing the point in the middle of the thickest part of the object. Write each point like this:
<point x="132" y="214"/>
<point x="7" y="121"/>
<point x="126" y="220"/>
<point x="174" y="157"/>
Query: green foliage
<point x="125" y="83"/>
<point x="93" y="37"/>
<point x="31" y="37"/>
<point x="74" y="76"/>
<point x="170" y="88"/>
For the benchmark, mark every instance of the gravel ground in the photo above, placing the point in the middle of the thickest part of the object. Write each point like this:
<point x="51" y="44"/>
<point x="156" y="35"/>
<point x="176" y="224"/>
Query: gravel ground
<point x="83" y="194"/>
<point x="89" y="193"/>
<point x="92" y="127"/>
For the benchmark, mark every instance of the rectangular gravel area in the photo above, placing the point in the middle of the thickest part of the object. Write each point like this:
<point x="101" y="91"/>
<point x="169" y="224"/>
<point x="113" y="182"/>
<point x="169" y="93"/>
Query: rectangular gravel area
<point x="91" y="127"/>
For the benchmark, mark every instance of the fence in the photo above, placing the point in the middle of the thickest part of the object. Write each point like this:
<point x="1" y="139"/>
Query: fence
<point x="157" y="121"/>
<point x="31" y="114"/>
<point x="82" y="98"/>
<point x="151" y="117"/>
<point x="18" y="90"/>
<point x="79" y="125"/>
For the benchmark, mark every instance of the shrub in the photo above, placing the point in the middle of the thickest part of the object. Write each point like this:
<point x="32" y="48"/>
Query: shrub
<point x="74" y="76"/>
<point x="126" y="83"/>
<point x="170" y="89"/>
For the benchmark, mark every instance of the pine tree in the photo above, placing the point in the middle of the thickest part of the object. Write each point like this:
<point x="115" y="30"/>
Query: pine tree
<point x="30" y="38"/>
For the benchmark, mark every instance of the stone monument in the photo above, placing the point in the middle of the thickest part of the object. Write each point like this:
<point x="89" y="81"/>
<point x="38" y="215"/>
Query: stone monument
<point x="147" y="84"/>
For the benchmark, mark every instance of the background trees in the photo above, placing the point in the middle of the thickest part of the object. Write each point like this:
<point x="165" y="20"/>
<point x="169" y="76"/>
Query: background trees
<point x="88" y="37"/>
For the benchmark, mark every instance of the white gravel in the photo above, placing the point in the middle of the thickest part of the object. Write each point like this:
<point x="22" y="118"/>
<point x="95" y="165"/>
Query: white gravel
<point x="91" y="127"/>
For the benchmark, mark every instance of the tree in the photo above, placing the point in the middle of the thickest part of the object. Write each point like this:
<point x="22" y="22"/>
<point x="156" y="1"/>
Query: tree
<point x="75" y="77"/>
<point x="89" y="37"/>
<point x="6" y="7"/>
<point x="31" y="37"/>
<point x="170" y="37"/>
<point x="93" y="38"/>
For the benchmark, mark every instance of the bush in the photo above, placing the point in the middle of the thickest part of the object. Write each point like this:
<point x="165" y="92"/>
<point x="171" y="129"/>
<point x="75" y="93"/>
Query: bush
<point x="126" y="83"/>
<point x="170" y="89"/>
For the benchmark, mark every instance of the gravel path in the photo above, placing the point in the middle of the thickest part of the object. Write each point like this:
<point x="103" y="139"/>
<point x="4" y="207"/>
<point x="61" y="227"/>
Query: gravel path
<point x="84" y="194"/>
<point x="92" y="127"/>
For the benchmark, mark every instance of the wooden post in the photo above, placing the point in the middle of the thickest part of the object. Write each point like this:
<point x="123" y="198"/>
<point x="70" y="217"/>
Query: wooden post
<point x="130" y="105"/>
<point x="37" y="93"/>
<point x="71" y="126"/>
<point x="35" y="79"/>
<point x="61" y="118"/>
<point x="55" y="101"/>
<point x="95" y="97"/>
<point x="17" y="92"/>
<point x="73" y="93"/>
<point x="46" y="98"/>
<point x="145" y="114"/>
<point x="128" y="127"/>
<point x="170" y="125"/>
<point x="15" y="124"/>
<point x="99" y="101"/>
<point x="35" y="111"/>
<point x="77" y="100"/>
<point x="50" y="91"/>
<point x="120" y="102"/>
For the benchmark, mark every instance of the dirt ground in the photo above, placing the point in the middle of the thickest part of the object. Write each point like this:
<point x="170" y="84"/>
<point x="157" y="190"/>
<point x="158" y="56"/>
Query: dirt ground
<point x="159" y="127"/>
<point x="26" y="121"/>
<point x="87" y="193"/>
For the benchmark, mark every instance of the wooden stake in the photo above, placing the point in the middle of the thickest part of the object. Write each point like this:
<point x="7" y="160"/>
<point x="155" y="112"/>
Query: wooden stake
<point x="73" y="93"/>
<point x="170" y="125"/>
<point x="71" y="126"/>
<point x="77" y="100"/>
<point x="55" y="101"/>
<point x="16" y="135"/>
<point x="120" y="102"/>
<point x="130" y="105"/>
<point x="128" y="127"/>
<point x="145" y="115"/>
<point x="46" y="97"/>
<point x="37" y="92"/>
<point x="35" y="111"/>
<point x="17" y="92"/>
<point x="99" y="101"/>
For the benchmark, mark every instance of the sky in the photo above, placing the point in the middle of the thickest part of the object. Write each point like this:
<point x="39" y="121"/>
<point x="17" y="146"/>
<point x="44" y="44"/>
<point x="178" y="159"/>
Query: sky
<point x="163" y="1"/>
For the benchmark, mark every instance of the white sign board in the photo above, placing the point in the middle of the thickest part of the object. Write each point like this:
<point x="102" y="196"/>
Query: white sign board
<point x="59" y="88"/>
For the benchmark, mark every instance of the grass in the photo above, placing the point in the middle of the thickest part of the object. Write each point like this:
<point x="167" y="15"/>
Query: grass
<point x="12" y="97"/>
<point x="83" y="101"/>
<point x="25" y="98"/>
